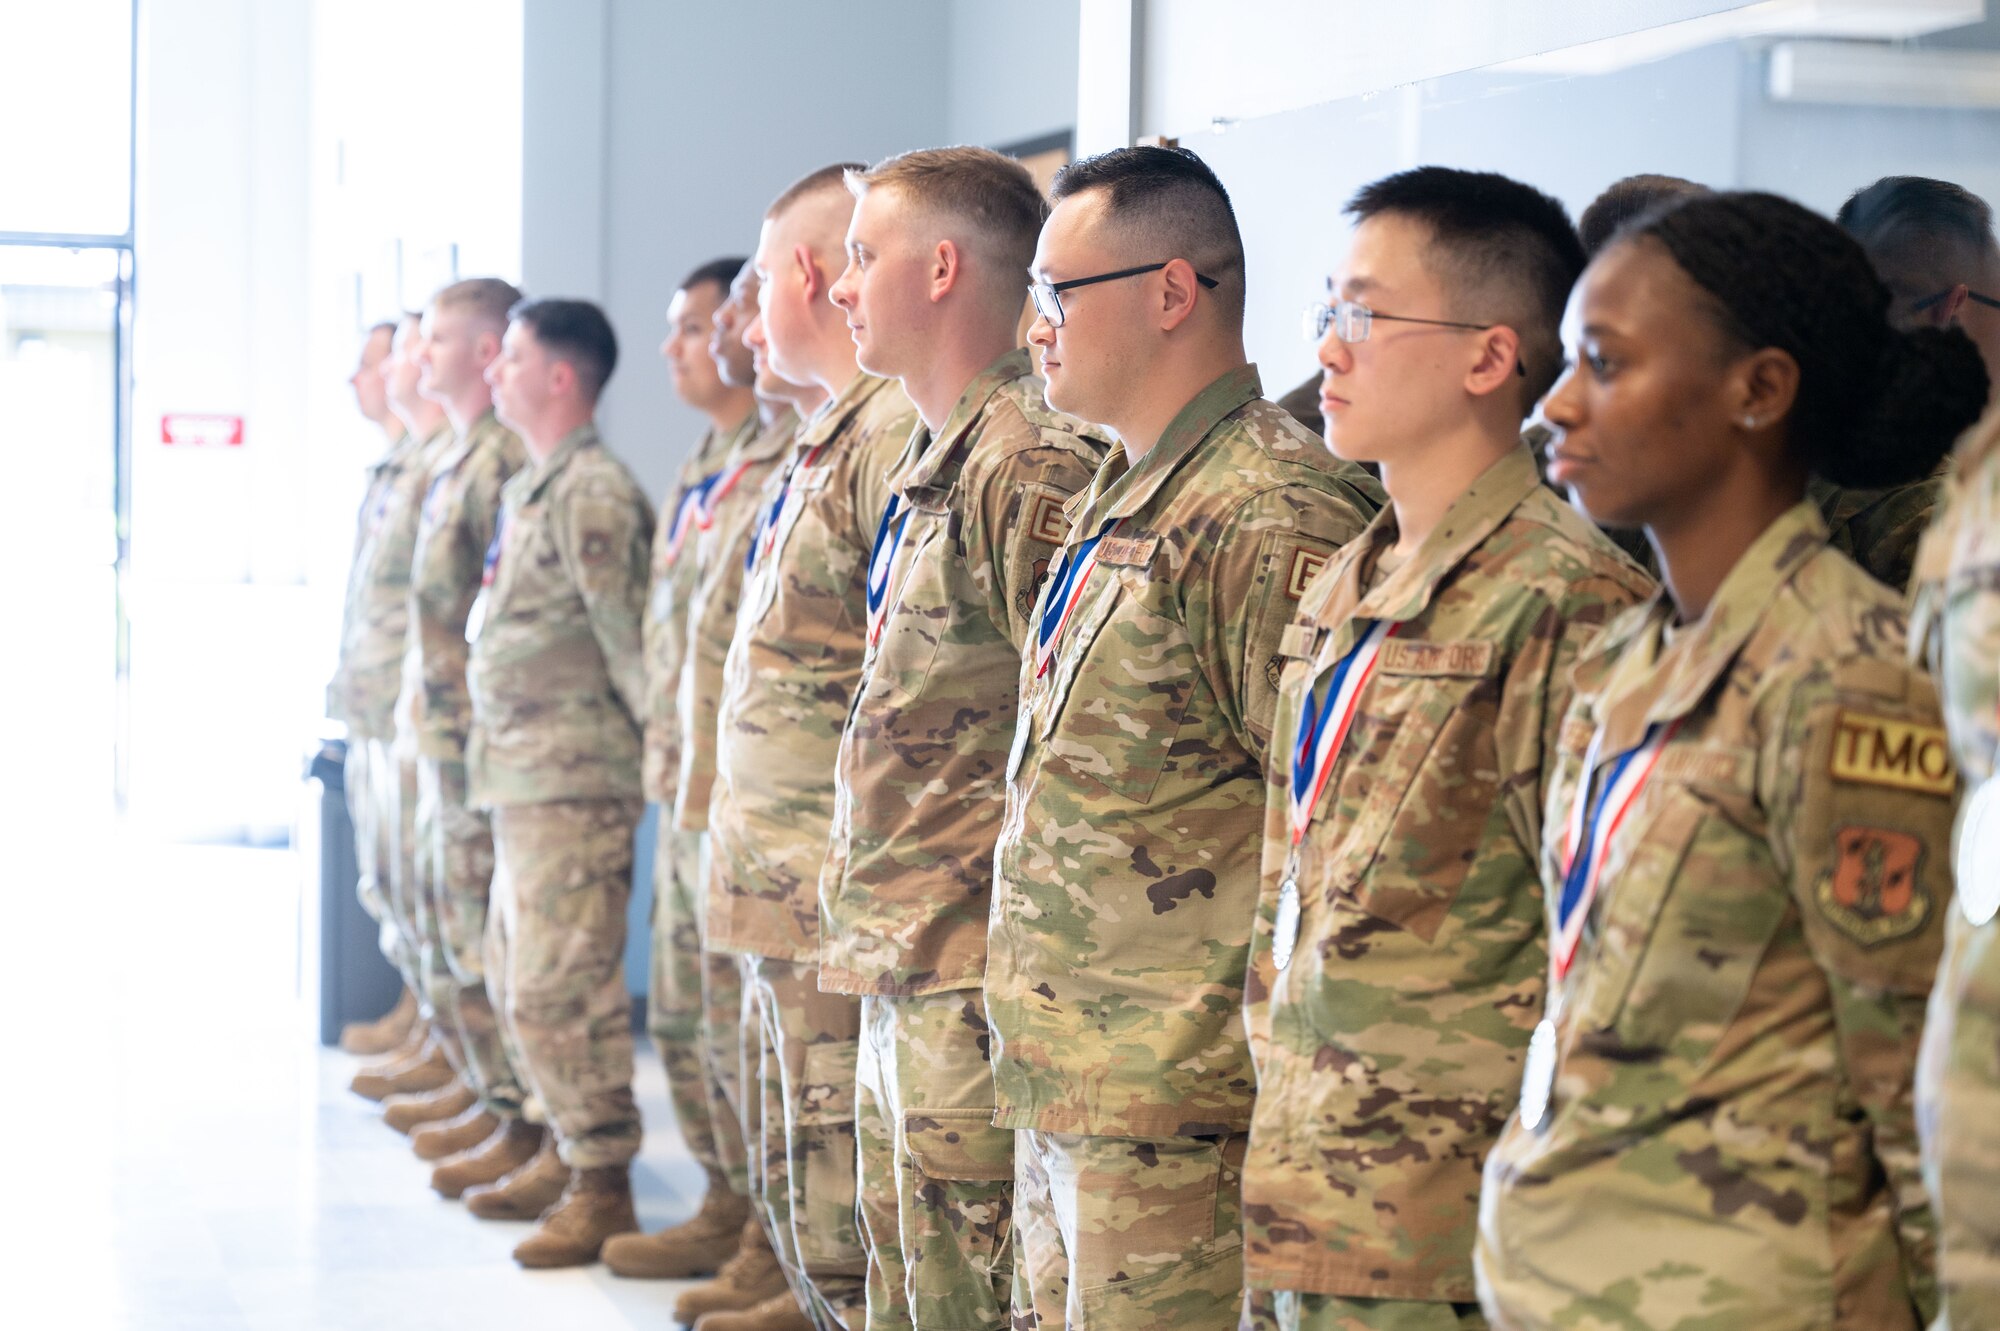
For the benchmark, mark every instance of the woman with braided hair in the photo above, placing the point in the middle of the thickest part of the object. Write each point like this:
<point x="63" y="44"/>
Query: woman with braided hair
<point x="1745" y="857"/>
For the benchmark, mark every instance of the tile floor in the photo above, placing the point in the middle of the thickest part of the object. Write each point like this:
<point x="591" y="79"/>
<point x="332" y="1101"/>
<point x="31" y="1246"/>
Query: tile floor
<point x="185" y="1158"/>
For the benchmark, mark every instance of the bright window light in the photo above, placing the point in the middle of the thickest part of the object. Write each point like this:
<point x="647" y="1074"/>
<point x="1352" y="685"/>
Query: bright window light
<point x="65" y="116"/>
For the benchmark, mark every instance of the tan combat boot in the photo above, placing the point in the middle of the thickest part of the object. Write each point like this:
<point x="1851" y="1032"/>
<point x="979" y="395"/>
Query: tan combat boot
<point x="511" y="1146"/>
<point x="595" y="1206"/>
<point x="525" y="1193"/>
<point x="407" y="1113"/>
<point x="751" y="1277"/>
<point x="427" y="1072"/>
<point x="455" y="1136"/>
<point x="372" y="1039"/>
<point x="697" y="1246"/>
<point x="780" y="1312"/>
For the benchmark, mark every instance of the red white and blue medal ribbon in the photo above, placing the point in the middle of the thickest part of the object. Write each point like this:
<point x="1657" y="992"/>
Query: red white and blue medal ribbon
<point x="1595" y="817"/>
<point x="687" y="514"/>
<point x="475" y="617"/>
<point x="767" y="528"/>
<point x="882" y="564"/>
<point x="1066" y="586"/>
<point x="1323" y="728"/>
<point x="714" y="497"/>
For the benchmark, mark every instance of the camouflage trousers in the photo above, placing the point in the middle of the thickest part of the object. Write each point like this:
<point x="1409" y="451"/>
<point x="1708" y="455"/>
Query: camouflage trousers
<point x="1958" y="1117"/>
<point x="454" y="872"/>
<point x="1128" y="1233"/>
<point x="374" y="787"/>
<point x="936" y="1177"/>
<point x="1290" y="1310"/>
<point x="694" y="1005"/>
<point x="555" y="968"/>
<point x="801" y="1120"/>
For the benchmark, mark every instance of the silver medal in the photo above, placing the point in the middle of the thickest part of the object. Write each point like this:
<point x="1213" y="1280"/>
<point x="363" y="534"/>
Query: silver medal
<point x="1285" y="929"/>
<point x="475" y="618"/>
<point x="1978" y="858"/>
<point x="1538" y="1078"/>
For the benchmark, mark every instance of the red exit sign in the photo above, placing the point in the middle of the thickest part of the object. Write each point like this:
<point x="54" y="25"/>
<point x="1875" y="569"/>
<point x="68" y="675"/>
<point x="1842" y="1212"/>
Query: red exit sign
<point x="201" y="430"/>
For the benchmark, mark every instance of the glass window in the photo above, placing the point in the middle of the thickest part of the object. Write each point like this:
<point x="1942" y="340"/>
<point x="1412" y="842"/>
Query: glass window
<point x="66" y="117"/>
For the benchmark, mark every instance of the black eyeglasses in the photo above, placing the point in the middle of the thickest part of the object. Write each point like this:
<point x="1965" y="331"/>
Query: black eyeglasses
<point x="1973" y="296"/>
<point x="1048" y="295"/>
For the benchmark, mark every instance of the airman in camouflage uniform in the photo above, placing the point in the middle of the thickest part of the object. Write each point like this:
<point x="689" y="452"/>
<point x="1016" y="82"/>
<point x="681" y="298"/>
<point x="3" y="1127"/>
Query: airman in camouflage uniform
<point x="400" y="1025"/>
<point x="372" y="682"/>
<point x="1399" y="955"/>
<point x="558" y="685"/>
<point x="675" y="994"/>
<point x="1957" y="625"/>
<point x="788" y="684"/>
<point x="974" y="517"/>
<point x="1125" y="875"/>
<point x="1125" y="869"/>
<point x="1728" y="1135"/>
<point x="453" y="858"/>
<point x="1388" y="1042"/>
<point x="977" y="515"/>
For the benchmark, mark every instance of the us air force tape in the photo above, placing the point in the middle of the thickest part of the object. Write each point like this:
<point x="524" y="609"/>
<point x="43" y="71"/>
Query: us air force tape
<point x="1978" y="859"/>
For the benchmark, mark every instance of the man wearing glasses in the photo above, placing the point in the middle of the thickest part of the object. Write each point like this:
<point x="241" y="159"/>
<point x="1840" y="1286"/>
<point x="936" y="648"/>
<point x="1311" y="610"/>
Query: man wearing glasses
<point x="1932" y="243"/>
<point x="1398" y="959"/>
<point x="1126" y="867"/>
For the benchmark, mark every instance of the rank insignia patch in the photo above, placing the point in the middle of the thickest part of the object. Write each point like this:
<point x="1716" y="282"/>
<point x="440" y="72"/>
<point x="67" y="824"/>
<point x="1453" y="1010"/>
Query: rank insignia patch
<point x="1305" y="565"/>
<point x="1046" y="522"/>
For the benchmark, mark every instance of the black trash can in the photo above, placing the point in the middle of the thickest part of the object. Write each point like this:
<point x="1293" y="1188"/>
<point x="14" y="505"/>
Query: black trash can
<point x="356" y="982"/>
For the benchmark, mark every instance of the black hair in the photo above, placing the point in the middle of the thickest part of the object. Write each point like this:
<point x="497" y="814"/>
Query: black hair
<point x="1924" y="235"/>
<point x="1172" y="203"/>
<point x="1504" y="251"/>
<point x="1875" y="406"/>
<point x="1625" y="200"/>
<point x="575" y="331"/>
<point x="722" y="272"/>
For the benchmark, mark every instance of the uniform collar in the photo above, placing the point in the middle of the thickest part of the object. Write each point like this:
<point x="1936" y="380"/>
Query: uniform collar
<point x="717" y="445"/>
<point x="1119" y="491"/>
<point x="1653" y="681"/>
<point x="1403" y="595"/>
<point x="770" y="441"/>
<point x="400" y="452"/>
<point x="582" y="437"/>
<point x="834" y="414"/>
<point x="933" y="461"/>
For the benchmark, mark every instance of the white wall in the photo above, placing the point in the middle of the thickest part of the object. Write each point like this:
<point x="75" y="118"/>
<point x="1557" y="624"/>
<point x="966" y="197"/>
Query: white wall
<point x="1012" y="70"/>
<point x="708" y="111"/>
<point x="220" y="325"/>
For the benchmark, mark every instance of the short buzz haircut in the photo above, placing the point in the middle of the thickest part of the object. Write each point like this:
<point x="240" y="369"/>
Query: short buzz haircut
<point x="988" y="192"/>
<point x="388" y="326"/>
<point x="1624" y="200"/>
<point x="1504" y="252"/>
<point x="487" y="299"/>
<point x="719" y="271"/>
<point x="575" y="331"/>
<point x="825" y="180"/>
<point x="1171" y="206"/>
<point x="1920" y="233"/>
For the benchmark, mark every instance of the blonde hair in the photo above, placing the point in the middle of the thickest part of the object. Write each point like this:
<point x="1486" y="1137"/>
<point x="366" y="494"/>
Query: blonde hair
<point x="487" y="298"/>
<point x="988" y="192"/>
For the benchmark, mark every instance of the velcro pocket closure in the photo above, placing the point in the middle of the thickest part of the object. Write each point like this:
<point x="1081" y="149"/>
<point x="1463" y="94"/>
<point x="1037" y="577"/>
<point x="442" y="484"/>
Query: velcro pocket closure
<point x="960" y="1145"/>
<point x="826" y="1086"/>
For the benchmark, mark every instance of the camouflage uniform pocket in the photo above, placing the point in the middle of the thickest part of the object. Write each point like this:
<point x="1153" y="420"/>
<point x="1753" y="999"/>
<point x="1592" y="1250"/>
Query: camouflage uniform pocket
<point x="1433" y="778"/>
<point x="1124" y="690"/>
<point x="1679" y="947"/>
<point x="822" y="1151"/>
